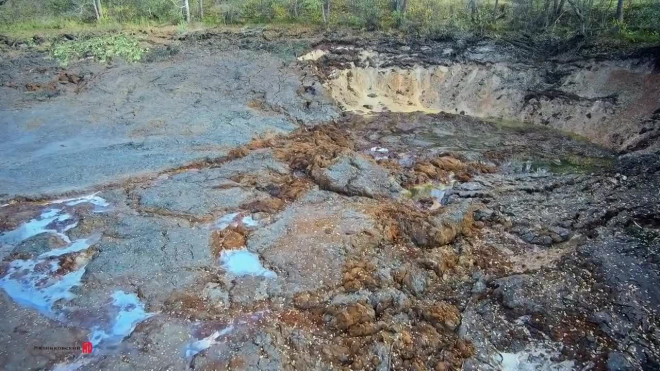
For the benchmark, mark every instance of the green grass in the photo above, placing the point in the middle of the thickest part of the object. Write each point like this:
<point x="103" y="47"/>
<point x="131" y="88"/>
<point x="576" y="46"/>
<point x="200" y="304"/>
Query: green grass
<point x="55" y="26"/>
<point x="637" y="36"/>
<point x="101" y="48"/>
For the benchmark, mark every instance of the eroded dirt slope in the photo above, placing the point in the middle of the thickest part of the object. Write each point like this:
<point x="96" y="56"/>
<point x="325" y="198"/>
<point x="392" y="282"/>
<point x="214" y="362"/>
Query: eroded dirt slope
<point x="612" y="101"/>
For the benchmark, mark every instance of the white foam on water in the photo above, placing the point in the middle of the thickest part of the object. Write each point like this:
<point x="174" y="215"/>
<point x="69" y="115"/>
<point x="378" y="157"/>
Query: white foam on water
<point x="379" y="149"/>
<point x="534" y="358"/>
<point x="34" y="283"/>
<point x="249" y="222"/>
<point x="225" y="221"/>
<point x="75" y="246"/>
<point x="244" y="263"/>
<point x="38" y="226"/>
<point x="100" y="204"/>
<point x="199" y="345"/>
<point x="233" y="220"/>
<point x="131" y="312"/>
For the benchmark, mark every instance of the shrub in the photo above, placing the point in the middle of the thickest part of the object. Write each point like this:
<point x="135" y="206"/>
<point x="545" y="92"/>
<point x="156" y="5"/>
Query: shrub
<point x="102" y="48"/>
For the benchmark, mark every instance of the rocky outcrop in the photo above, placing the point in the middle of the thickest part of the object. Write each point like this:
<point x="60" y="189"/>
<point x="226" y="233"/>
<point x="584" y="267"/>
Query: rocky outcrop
<point x="354" y="175"/>
<point x="443" y="227"/>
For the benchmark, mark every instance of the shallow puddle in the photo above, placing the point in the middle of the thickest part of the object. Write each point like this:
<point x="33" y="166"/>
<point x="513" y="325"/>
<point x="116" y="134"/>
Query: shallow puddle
<point x="130" y="312"/>
<point x="220" y="332"/>
<point x="235" y="220"/>
<point x="197" y="346"/>
<point x="244" y="263"/>
<point x="125" y="313"/>
<point x="38" y="283"/>
<point x="54" y="221"/>
<point x="542" y="356"/>
<point x="99" y="203"/>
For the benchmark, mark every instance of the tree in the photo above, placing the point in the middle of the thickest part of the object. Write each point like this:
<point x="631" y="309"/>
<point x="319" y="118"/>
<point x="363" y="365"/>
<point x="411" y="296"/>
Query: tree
<point x="495" y="11"/>
<point x="98" y="10"/>
<point x="186" y="8"/>
<point x="400" y="7"/>
<point x="474" y="10"/>
<point x="200" y="9"/>
<point x="580" y="16"/>
<point x="619" y="11"/>
<point x="325" y="11"/>
<point x="294" y="8"/>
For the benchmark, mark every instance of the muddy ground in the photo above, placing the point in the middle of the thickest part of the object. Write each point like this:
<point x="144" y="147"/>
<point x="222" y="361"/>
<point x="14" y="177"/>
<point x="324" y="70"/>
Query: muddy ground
<point x="234" y="202"/>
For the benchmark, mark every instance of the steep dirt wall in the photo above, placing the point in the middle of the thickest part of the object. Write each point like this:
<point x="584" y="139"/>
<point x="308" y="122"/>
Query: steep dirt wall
<point x="612" y="103"/>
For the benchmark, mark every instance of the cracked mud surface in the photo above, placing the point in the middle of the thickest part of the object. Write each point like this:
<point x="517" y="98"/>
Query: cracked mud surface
<point x="394" y="240"/>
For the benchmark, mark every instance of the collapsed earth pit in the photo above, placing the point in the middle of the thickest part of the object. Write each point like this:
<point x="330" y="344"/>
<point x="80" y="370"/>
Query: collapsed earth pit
<point x="611" y="103"/>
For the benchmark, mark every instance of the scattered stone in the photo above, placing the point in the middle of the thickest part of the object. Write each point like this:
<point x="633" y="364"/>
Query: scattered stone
<point x="479" y="287"/>
<point x="617" y="361"/>
<point x="355" y="175"/>
<point x="442" y="228"/>
<point x="37" y="245"/>
<point x="389" y="299"/>
<point x="228" y="239"/>
<point x="443" y="316"/>
<point x="412" y="278"/>
<point x="216" y="296"/>
<point x="517" y="293"/>
<point x="353" y="314"/>
<point x="484" y="214"/>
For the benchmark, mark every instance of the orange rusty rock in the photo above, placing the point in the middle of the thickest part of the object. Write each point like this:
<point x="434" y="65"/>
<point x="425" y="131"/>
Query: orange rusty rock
<point x="292" y="189"/>
<point x="269" y="205"/>
<point x="229" y="239"/>
<point x="443" y="316"/>
<point x="365" y="329"/>
<point x="427" y="168"/>
<point x="359" y="275"/>
<point x="448" y="163"/>
<point x="354" y="314"/>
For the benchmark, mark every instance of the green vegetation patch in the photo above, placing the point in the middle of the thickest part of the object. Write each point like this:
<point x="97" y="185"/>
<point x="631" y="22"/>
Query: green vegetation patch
<point x="101" y="48"/>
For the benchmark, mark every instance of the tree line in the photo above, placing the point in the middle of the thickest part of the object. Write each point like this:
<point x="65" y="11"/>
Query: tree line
<point x="558" y="17"/>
